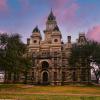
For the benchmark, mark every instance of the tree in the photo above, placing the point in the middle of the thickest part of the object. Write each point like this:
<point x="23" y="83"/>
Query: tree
<point x="3" y="44"/>
<point x="84" y="55"/>
<point x="95" y="63"/>
<point x="13" y="58"/>
<point x="11" y="61"/>
<point x="26" y="63"/>
<point x="15" y="50"/>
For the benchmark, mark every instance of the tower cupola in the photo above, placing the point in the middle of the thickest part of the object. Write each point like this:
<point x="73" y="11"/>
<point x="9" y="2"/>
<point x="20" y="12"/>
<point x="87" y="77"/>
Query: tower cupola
<point x="36" y="32"/>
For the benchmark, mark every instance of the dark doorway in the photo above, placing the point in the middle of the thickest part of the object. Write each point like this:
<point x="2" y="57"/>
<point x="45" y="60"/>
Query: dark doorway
<point x="45" y="78"/>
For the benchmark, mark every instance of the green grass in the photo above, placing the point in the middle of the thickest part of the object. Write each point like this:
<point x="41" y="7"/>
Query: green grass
<point x="49" y="89"/>
<point x="30" y="92"/>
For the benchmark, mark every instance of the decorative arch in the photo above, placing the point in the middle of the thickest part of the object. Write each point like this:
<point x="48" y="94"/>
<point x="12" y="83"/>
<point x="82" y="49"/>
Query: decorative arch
<point x="45" y="65"/>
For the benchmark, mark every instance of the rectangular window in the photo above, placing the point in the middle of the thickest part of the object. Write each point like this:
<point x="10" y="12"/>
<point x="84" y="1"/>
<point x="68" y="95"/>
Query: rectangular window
<point x="55" y="76"/>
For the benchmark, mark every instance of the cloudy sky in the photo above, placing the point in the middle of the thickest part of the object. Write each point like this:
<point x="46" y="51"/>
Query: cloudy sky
<point x="73" y="16"/>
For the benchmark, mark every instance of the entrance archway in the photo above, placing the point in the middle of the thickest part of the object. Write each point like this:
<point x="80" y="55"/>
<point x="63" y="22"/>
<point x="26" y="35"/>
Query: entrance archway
<point x="45" y="78"/>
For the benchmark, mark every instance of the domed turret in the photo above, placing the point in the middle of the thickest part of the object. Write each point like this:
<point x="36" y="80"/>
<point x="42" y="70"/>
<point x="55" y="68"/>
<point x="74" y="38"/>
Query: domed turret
<point x="36" y="29"/>
<point x="36" y="32"/>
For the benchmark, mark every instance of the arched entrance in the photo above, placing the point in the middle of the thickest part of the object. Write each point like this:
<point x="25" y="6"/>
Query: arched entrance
<point x="45" y="78"/>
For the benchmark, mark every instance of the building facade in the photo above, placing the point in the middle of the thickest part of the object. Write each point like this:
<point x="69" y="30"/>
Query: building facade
<point x="50" y="56"/>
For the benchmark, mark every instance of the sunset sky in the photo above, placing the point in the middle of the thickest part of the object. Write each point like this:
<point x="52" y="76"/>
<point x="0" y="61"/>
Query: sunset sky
<point x="73" y="16"/>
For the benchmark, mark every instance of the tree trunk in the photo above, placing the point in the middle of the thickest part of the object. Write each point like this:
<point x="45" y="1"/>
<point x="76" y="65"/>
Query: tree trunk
<point x="6" y="77"/>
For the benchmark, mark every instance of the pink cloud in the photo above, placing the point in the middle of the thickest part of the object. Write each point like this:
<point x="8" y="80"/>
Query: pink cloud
<point x="3" y="5"/>
<point x="70" y="12"/>
<point x="94" y="33"/>
<point x="66" y="12"/>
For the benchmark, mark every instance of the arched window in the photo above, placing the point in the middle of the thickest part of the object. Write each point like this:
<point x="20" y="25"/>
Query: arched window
<point x="45" y="65"/>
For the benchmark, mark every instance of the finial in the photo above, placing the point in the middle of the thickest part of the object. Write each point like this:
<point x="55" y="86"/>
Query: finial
<point x="36" y="26"/>
<point x="51" y="9"/>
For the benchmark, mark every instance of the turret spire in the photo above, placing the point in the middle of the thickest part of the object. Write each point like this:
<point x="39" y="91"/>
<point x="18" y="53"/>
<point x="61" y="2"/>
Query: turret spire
<point x="51" y="16"/>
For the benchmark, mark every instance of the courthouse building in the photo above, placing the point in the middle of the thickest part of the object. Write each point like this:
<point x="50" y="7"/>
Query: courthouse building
<point x="50" y="56"/>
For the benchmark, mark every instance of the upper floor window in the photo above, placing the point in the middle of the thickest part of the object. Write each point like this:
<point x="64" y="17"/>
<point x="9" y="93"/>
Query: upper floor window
<point x="55" y="40"/>
<point x="35" y="41"/>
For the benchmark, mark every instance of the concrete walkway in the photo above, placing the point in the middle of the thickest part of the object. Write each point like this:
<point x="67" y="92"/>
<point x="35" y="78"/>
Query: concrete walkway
<point x="43" y="93"/>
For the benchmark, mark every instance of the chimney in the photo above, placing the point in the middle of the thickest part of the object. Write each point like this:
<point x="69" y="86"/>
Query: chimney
<point x="28" y="41"/>
<point x="69" y="39"/>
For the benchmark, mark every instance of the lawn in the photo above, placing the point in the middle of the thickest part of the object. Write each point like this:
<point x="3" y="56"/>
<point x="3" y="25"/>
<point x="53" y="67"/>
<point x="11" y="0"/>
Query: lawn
<point x="30" y="92"/>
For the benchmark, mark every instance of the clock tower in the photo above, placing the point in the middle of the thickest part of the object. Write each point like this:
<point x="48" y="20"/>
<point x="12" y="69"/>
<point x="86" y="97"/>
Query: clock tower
<point x="50" y="25"/>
